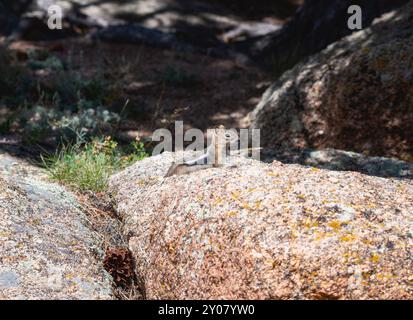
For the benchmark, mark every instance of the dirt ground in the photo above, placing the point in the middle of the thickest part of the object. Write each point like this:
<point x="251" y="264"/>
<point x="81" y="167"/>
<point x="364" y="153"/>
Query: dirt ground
<point x="161" y="86"/>
<point x="152" y="87"/>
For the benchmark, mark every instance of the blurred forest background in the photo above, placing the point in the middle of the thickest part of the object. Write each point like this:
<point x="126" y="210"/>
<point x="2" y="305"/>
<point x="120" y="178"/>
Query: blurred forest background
<point x="125" y="68"/>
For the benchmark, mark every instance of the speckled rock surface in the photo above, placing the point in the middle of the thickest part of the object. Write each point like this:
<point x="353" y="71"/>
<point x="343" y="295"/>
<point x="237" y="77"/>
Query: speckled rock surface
<point x="47" y="250"/>
<point x="355" y="95"/>
<point x="267" y="231"/>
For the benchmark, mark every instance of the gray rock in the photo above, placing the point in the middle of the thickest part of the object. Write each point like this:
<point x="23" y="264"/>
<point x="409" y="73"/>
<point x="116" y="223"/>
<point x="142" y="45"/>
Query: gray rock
<point x="8" y="279"/>
<point x="48" y="249"/>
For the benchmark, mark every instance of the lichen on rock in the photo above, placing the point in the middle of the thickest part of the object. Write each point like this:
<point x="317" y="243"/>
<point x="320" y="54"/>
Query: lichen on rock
<point x="48" y="249"/>
<point x="267" y="231"/>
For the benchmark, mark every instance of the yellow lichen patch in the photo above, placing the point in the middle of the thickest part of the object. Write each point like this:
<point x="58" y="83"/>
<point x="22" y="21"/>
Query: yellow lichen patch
<point x="319" y="235"/>
<point x="315" y="169"/>
<point x="246" y="205"/>
<point x="322" y="235"/>
<point x="335" y="225"/>
<point x="274" y="174"/>
<point x="401" y="188"/>
<point x="385" y="276"/>
<point x="4" y="234"/>
<point x="309" y="223"/>
<point x="366" y="241"/>
<point x="301" y="196"/>
<point x="232" y="213"/>
<point x="352" y="257"/>
<point x="286" y="189"/>
<point x="69" y="276"/>
<point x="366" y="275"/>
<point x="347" y="238"/>
<point x="141" y="182"/>
<point x="20" y="245"/>
<point x="258" y="204"/>
<point x="364" y="283"/>
<point x="294" y="234"/>
<point x="235" y="195"/>
<point x="36" y="222"/>
<point x="346" y="257"/>
<point x="357" y="260"/>
<point x="271" y="263"/>
<point x="217" y="201"/>
<point x="374" y="258"/>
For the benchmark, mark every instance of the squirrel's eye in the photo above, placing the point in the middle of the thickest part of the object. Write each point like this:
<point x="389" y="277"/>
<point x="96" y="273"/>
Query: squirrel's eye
<point x="227" y="135"/>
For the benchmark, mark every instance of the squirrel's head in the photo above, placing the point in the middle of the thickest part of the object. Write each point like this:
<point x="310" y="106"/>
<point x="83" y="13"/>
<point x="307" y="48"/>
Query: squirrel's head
<point x="228" y="135"/>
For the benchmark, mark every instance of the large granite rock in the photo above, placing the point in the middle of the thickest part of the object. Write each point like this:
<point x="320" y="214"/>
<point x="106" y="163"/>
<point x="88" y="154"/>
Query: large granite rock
<point x="317" y="24"/>
<point x="355" y="95"/>
<point x="267" y="231"/>
<point x="47" y="247"/>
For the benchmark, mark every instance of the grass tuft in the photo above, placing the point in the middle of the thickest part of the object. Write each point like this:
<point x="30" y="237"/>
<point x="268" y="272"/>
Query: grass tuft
<point x="88" y="167"/>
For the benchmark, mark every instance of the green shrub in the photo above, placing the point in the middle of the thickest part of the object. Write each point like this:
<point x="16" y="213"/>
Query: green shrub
<point x="88" y="167"/>
<point x="10" y="75"/>
<point x="72" y="86"/>
<point x="41" y="123"/>
<point x="51" y="63"/>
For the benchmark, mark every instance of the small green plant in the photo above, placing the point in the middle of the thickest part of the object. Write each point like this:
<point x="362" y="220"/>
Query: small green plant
<point x="40" y="123"/>
<point x="51" y="63"/>
<point x="88" y="167"/>
<point x="71" y="86"/>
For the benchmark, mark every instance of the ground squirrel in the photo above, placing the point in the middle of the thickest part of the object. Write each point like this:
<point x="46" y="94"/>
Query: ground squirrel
<point x="213" y="157"/>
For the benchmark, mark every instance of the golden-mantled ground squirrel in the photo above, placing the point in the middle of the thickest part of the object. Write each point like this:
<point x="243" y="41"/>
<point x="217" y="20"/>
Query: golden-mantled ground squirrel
<point x="213" y="157"/>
